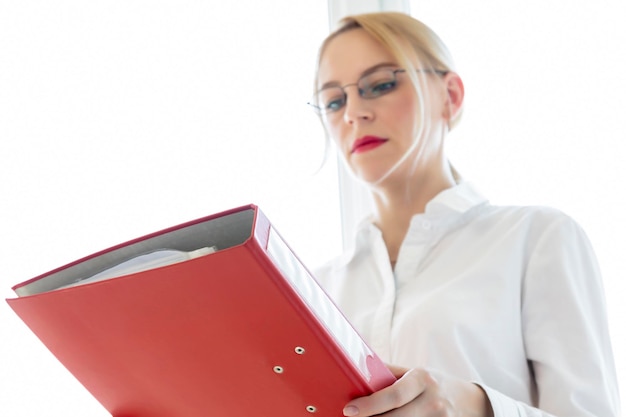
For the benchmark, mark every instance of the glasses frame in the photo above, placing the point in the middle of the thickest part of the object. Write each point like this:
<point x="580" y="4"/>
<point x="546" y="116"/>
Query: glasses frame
<point x="322" y="110"/>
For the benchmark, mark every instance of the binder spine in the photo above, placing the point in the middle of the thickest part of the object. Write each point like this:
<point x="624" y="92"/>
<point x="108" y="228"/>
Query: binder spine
<point x="318" y="302"/>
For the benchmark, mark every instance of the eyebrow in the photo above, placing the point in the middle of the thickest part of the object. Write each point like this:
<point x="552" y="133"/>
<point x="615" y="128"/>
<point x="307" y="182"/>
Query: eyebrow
<point x="363" y="74"/>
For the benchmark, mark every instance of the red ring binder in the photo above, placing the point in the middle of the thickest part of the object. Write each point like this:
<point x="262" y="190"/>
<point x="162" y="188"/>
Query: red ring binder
<point x="243" y="331"/>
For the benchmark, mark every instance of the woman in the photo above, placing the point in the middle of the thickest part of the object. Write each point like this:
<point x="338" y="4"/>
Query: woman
<point x="487" y="311"/>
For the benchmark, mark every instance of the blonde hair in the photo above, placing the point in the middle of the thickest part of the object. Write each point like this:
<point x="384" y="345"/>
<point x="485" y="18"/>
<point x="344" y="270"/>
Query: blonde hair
<point x="408" y="40"/>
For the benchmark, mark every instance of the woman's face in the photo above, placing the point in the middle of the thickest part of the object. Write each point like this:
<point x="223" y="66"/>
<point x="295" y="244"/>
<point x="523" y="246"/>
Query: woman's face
<point x="376" y="136"/>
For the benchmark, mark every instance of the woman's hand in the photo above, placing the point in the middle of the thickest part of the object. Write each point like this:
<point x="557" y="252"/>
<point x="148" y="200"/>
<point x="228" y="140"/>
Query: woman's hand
<point x="422" y="393"/>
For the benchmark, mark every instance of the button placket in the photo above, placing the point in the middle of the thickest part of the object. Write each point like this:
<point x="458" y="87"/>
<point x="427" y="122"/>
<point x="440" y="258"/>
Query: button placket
<point x="381" y="326"/>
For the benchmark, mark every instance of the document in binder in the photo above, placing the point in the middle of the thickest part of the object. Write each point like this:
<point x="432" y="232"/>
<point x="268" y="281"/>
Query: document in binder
<point x="236" y="326"/>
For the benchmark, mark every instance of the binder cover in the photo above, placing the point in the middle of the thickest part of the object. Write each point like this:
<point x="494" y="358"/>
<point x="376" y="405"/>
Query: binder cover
<point x="243" y="331"/>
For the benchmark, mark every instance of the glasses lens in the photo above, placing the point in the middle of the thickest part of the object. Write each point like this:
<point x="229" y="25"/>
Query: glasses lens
<point x="377" y="83"/>
<point x="330" y="99"/>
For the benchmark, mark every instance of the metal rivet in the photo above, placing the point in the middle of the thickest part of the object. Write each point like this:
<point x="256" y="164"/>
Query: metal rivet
<point x="278" y="369"/>
<point x="299" y="350"/>
<point x="311" y="409"/>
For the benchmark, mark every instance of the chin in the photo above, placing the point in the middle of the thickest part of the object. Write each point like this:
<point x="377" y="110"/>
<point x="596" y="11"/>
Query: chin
<point x="369" y="177"/>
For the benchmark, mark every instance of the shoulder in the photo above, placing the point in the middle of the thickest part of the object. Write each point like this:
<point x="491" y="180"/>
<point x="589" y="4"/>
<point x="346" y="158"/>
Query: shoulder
<point x="553" y="246"/>
<point x="529" y="214"/>
<point x="534" y="232"/>
<point x="468" y="210"/>
<point x="533" y="221"/>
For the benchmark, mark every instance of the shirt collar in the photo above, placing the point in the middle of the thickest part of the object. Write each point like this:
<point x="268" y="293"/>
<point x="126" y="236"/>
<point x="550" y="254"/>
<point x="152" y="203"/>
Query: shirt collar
<point x="457" y="199"/>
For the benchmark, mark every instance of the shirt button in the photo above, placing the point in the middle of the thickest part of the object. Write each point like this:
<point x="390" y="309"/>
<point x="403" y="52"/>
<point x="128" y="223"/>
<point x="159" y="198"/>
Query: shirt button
<point x="426" y="225"/>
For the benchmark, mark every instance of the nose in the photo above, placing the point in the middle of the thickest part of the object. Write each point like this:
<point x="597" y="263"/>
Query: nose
<point x="357" y="109"/>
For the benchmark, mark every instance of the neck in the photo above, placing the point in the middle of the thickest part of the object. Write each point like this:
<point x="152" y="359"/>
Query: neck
<point x="397" y="203"/>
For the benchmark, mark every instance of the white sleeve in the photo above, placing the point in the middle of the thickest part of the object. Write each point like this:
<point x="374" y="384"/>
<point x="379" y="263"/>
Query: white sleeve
<point x="565" y="330"/>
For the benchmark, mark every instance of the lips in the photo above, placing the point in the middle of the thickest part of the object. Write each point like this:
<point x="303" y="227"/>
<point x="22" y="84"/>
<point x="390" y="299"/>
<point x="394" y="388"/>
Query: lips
<point x="367" y="143"/>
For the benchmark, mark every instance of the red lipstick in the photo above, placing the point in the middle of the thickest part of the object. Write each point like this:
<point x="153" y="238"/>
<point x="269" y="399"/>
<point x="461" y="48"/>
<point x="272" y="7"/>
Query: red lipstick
<point x="367" y="143"/>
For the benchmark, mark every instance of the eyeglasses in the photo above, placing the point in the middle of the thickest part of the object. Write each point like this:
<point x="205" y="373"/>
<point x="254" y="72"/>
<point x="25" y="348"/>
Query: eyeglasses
<point x="373" y="85"/>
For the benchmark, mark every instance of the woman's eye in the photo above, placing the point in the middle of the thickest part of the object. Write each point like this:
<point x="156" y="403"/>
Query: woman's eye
<point x="334" y="105"/>
<point x="382" y="87"/>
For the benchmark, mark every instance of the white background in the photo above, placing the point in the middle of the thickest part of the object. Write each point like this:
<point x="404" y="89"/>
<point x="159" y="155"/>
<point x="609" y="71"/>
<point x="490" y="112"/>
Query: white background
<point x="119" y="118"/>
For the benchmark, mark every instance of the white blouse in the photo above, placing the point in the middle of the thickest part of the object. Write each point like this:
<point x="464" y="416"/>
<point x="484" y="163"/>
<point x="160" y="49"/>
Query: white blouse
<point x="508" y="297"/>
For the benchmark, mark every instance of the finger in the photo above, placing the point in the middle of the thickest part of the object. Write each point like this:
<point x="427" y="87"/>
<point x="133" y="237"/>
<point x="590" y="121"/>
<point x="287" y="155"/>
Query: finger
<point x="426" y="404"/>
<point x="400" y="393"/>
<point x="397" y="371"/>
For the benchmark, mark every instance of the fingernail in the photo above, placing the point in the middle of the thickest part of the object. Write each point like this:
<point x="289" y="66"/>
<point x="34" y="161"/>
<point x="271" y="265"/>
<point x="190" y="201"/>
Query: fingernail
<point x="350" y="411"/>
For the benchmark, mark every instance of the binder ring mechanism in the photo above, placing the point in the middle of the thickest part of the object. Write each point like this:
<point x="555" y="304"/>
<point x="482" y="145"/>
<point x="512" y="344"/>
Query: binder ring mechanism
<point x="279" y="370"/>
